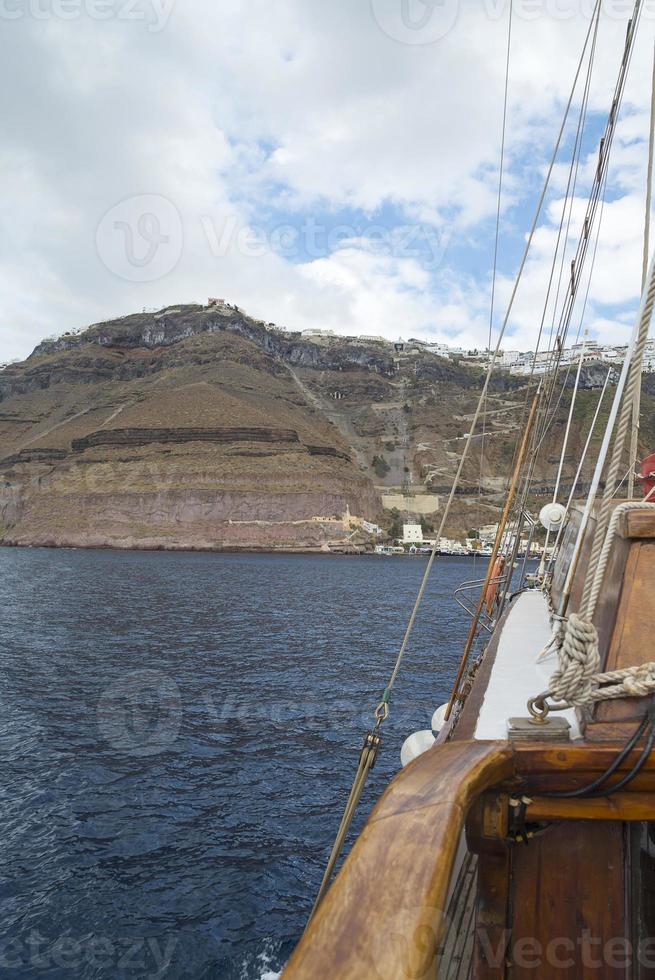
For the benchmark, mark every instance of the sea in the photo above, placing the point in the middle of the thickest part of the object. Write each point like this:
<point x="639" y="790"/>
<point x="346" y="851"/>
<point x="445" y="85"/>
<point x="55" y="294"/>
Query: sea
<point x="179" y="732"/>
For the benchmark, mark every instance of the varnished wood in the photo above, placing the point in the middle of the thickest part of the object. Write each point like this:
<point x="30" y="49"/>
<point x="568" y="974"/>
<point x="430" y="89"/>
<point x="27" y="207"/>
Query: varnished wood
<point x="488" y="819"/>
<point x="492" y="914"/>
<point x="632" y="639"/>
<point x="568" y="902"/>
<point x="544" y="768"/>
<point x="611" y="597"/>
<point x="534" y="759"/>
<point x="617" y="560"/>
<point x="487" y="830"/>
<point x="383" y="917"/>
<point x="620" y="806"/>
<point x="384" y="914"/>
<point x="638" y="524"/>
<point x="458" y="943"/>
<point x="616" y="731"/>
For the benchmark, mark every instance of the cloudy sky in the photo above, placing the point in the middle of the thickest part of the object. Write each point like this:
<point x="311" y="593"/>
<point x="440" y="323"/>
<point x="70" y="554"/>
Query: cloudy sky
<point x="323" y="163"/>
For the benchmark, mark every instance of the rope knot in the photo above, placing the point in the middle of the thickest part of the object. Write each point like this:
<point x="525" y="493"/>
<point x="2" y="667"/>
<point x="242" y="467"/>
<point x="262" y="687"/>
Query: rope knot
<point x="579" y="660"/>
<point x="641" y="681"/>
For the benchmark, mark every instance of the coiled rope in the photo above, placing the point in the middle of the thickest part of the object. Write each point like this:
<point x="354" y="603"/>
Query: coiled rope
<point x="577" y="680"/>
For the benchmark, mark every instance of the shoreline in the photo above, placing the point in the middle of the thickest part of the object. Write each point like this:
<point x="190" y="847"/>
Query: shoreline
<point x="230" y="550"/>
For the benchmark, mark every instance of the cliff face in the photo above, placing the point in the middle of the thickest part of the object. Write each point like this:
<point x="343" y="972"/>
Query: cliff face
<point x="183" y="430"/>
<point x="201" y="428"/>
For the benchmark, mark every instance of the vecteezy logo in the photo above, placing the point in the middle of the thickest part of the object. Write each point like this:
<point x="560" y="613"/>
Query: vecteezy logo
<point x="140" y="714"/>
<point x="415" y="21"/>
<point x="141" y="238"/>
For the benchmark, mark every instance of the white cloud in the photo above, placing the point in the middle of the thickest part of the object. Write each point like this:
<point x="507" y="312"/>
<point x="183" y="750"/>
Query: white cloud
<point x="305" y="107"/>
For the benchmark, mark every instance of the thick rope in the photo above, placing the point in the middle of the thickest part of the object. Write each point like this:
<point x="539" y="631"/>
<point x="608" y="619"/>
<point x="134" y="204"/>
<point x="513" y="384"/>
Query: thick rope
<point x="625" y="418"/>
<point x="576" y="680"/>
<point x="579" y="660"/>
<point x="633" y="682"/>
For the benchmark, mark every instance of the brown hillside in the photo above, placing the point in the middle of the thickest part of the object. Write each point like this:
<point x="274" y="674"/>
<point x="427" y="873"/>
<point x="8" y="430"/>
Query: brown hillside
<point x="201" y="428"/>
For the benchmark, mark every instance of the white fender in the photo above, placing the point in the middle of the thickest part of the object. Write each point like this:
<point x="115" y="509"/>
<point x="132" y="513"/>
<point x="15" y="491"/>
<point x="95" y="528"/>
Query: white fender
<point x="416" y="744"/>
<point x="439" y="717"/>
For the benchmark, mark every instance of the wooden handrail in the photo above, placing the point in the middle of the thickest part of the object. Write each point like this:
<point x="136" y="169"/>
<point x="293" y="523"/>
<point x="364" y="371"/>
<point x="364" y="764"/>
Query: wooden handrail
<point x="384" y="915"/>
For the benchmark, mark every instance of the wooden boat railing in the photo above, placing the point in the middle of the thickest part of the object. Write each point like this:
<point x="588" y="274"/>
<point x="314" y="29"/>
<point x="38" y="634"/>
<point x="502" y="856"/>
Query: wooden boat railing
<point x="384" y="914"/>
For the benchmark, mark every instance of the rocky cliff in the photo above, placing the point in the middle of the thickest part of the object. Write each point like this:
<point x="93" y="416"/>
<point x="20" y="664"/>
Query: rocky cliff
<point x="199" y="427"/>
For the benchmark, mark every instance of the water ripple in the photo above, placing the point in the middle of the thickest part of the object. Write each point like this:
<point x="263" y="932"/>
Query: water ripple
<point x="178" y="734"/>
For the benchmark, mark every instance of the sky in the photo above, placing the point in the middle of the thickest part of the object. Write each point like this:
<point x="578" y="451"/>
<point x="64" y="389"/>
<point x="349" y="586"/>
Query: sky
<point x="330" y="165"/>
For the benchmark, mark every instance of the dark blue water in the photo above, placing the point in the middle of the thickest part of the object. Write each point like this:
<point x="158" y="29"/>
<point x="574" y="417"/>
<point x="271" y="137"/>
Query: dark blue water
<point x="178" y="734"/>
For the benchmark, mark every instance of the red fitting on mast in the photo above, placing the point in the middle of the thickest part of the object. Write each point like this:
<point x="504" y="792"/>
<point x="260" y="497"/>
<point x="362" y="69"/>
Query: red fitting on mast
<point x="647" y="474"/>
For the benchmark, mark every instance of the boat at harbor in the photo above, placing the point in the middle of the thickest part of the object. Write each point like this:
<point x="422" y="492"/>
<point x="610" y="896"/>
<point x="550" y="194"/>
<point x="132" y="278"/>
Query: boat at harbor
<point x="518" y="839"/>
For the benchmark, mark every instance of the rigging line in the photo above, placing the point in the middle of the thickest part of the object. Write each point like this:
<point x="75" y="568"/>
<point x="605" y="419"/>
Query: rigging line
<point x="548" y="422"/>
<point x="556" y="350"/>
<point x="582" y="314"/>
<point x="601" y="171"/>
<point x="603" y="163"/>
<point x="573" y="173"/>
<point x="578" y="144"/>
<point x="495" y="260"/>
<point x="634" y="437"/>
<point x="568" y="422"/>
<point x="565" y="445"/>
<point x="536" y="442"/>
<point x="589" y="438"/>
<point x="502" y="524"/>
<point x="501" y="172"/>
<point x="520" y="506"/>
<point x="573" y="190"/>
<point x="645" y="312"/>
<point x="598" y="194"/>
<point x="573" y="176"/>
<point x="632" y="364"/>
<point x="586" y="298"/>
<point x="521" y="503"/>
<point x="577" y="153"/>
<point x="382" y="708"/>
<point x="590" y="434"/>
<point x="622" y="481"/>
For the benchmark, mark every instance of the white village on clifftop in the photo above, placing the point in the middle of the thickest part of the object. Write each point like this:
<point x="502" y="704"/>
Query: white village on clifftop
<point x="515" y="361"/>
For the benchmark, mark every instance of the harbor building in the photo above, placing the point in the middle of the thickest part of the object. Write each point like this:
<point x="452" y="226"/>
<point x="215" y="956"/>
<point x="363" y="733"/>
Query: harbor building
<point x="412" y="534"/>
